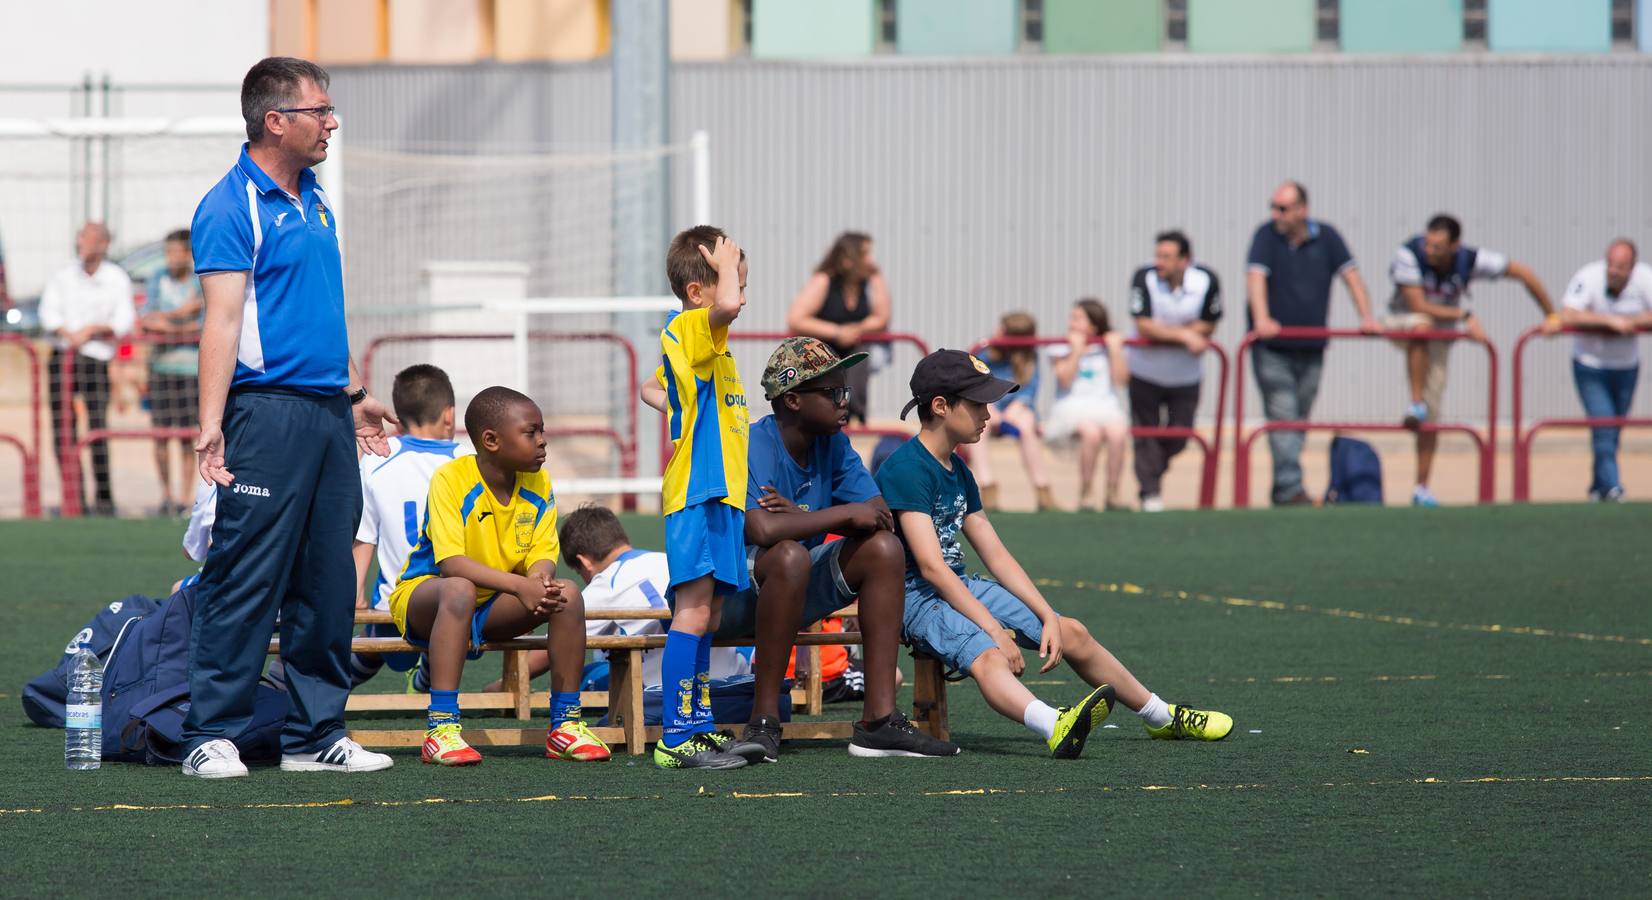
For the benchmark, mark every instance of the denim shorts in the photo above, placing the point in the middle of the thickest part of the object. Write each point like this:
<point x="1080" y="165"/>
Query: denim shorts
<point x="827" y="593"/>
<point x="933" y="626"/>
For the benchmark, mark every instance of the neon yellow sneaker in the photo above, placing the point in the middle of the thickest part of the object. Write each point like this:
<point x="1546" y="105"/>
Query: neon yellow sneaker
<point x="1193" y="725"/>
<point x="1073" y="723"/>
<point x="444" y="747"/>
<point x="574" y="742"/>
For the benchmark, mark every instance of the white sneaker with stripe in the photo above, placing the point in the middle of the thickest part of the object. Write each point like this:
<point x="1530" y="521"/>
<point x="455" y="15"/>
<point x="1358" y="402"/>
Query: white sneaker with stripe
<point x="344" y="755"/>
<point x="215" y="759"/>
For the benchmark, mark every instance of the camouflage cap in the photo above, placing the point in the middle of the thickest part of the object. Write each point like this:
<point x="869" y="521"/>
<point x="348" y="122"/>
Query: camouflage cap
<point x="799" y="359"/>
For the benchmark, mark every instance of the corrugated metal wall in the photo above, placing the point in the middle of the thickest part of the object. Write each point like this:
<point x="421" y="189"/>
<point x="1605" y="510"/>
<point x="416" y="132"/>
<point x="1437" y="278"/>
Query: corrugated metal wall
<point x="1026" y="183"/>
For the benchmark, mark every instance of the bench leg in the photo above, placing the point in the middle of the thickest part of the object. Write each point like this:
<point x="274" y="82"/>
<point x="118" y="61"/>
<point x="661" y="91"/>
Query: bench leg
<point x="515" y="681"/>
<point x="813" y="703"/>
<point x="929" y="696"/>
<point x="625" y="698"/>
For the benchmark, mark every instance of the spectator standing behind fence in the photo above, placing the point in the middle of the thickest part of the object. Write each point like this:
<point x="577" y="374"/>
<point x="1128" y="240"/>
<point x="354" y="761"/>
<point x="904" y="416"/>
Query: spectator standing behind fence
<point x="1014" y="415"/>
<point x="283" y="412"/>
<point x="1612" y="298"/>
<point x="173" y="306"/>
<point x="1431" y="273"/>
<point x="1090" y="381"/>
<point x="83" y="307"/>
<point x="1176" y="305"/>
<point x="1293" y="260"/>
<point x="845" y="298"/>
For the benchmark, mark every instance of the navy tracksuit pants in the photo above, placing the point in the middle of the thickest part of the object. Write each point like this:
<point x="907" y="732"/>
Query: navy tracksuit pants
<point x="280" y="544"/>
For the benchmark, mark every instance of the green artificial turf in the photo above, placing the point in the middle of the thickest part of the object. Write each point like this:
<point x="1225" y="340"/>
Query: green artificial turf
<point x="1492" y="667"/>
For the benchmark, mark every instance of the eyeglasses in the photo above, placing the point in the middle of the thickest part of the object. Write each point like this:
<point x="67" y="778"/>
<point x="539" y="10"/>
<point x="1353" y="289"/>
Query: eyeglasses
<point x="1282" y="207"/>
<point x="838" y="395"/>
<point x="322" y="113"/>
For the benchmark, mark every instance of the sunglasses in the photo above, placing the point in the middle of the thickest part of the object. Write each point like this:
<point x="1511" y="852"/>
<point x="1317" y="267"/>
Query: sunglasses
<point x="1282" y="207"/>
<point x="838" y="395"/>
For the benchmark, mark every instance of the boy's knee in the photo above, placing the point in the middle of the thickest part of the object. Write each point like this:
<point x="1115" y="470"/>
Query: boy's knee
<point x="457" y="595"/>
<point x="1072" y="630"/>
<point x="786" y="559"/>
<point x="884" y="549"/>
<point x="990" y="661"/>
<point x="575" y="601"/>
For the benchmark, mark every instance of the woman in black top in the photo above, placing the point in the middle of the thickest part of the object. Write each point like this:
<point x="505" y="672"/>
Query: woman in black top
<point x="844" y="299"/>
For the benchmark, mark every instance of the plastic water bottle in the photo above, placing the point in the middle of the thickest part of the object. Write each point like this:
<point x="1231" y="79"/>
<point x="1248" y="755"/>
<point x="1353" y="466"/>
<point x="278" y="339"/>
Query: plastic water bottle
<point x="83" y="718"/>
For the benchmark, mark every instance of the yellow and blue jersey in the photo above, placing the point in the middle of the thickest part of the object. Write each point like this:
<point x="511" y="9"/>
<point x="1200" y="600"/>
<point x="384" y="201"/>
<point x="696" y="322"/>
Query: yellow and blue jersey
<point x="706" y="412"/>
<point x="463" y="518"/>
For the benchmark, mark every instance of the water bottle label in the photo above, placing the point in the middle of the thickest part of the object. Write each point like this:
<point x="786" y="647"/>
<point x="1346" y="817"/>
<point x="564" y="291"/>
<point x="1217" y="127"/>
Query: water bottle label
<point x="83" y="715"/>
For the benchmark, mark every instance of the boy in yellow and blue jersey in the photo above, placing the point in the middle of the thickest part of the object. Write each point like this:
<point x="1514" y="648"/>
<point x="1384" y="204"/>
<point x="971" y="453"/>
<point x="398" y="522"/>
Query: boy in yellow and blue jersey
<point x="703" y="496"/>
<point x="484" y="569"/>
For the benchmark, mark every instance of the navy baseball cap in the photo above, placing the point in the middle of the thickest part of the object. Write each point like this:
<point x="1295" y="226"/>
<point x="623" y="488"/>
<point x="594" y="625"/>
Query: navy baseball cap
<point x="954" y="373"/>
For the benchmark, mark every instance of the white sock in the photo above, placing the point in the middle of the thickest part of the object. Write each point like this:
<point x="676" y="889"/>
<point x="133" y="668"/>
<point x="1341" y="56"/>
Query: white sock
<point x="1040" y="717"/>
<point x="1154" y="712"/>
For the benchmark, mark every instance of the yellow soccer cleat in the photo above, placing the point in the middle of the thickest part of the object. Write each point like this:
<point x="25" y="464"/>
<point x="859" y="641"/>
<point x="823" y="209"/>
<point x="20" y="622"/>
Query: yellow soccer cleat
<point x="1193" y="725"/>
<point x="1073" y="723"/>
<point x="574" y="742"/>
<point x="444" y="747"/>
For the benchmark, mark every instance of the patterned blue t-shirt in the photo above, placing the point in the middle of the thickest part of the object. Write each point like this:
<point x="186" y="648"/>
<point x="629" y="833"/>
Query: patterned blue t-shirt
<point x="912" y="479"/>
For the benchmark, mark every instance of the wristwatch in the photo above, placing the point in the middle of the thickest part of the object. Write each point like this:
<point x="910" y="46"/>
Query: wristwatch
<point x="357" y="395"/>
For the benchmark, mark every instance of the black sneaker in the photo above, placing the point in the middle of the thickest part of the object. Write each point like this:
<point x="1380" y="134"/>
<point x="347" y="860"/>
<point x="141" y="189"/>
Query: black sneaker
<point x="760" y="742"/>
<point x="698" y="752"/>
<point x="897" y="737"/>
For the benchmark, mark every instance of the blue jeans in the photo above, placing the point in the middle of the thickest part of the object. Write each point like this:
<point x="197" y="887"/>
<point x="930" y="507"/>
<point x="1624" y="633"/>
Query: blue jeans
<point x="1605" y="393"/>
<point x="1289" y="381"/>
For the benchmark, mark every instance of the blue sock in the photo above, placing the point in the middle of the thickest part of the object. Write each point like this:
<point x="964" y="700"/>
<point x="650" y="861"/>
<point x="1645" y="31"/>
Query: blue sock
<point x="444" y="708"/>
<point x="703" y="720"/>
<point x="564" y="706"/>
<point x="677" y="682"/>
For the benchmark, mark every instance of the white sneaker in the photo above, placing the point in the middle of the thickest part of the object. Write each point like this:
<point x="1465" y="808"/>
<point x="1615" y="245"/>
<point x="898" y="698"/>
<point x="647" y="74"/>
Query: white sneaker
<point x="1152" y="504"/>
<point x="215" y="759"/>
<point x="344" y="755"/>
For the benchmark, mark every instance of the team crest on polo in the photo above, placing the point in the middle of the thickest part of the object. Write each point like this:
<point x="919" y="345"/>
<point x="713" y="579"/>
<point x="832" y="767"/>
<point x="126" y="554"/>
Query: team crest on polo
<point x="322" y="212"/>
<point x="524" y="530"/>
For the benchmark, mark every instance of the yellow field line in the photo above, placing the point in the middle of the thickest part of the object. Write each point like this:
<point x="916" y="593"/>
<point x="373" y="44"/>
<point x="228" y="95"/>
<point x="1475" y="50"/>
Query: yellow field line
<point x="1338" y="612"/>
<point x="792" y="795"/>
<point x="1335" y="679"/>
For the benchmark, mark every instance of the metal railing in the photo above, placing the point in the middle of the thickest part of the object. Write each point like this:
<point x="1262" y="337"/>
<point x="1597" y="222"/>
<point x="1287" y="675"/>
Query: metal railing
<point x="1524" y="436"/>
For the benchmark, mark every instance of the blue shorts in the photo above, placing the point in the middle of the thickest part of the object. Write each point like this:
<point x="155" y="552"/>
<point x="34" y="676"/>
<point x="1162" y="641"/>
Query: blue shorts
<point x="933" y="626"/>
<point x="707" y="539"/>
<point x="827" y="593"/>
<point x="477" y="620"/>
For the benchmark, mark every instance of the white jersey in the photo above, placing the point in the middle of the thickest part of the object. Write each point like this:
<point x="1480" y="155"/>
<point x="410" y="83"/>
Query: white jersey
<point x="198" y="533"/>
<point x="1587" y="292"/>
<point x="636" y="580"/>
<point x="393" y="494"/>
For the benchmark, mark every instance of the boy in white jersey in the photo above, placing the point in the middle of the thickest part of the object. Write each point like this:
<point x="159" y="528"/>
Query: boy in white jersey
<point x="393" y="493"/>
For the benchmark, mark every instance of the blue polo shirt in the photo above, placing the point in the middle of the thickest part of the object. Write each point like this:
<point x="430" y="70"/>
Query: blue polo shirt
<point x="835" y="475"/>
<point x="292" y="324"/>
<point x="1299" y="278"/>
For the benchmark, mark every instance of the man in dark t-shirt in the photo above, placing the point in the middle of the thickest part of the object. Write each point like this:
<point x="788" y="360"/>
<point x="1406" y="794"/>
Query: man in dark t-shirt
<point x="1293" y="260"/>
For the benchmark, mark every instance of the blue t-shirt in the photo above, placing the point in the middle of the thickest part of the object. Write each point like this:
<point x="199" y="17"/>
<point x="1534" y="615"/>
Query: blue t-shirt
<point x="1299" y="278"/>
<point x="292" y="323"/>
<point x="835" y="474"/>
<point x="912" y="479"/>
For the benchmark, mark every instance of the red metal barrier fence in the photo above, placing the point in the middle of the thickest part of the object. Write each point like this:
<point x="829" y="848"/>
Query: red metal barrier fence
<point x="1211" y="449"/>
<point x="1486" y="444"/>
<point x="1523" y="437"/>
<point x="29" y="448"/>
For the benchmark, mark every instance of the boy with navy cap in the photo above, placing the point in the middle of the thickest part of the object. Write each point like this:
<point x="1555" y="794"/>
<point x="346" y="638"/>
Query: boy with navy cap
<point x="975" y="624"/>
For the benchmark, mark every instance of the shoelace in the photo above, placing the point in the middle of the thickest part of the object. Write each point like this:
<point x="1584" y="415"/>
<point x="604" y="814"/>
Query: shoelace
<point x="1189" y="721"/>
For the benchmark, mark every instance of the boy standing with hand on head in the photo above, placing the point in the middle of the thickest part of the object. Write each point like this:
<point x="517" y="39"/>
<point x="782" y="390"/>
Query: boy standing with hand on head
<point x="974" y="624"/>
<point x="484" y="569"/>
<point x="703" y="496"/>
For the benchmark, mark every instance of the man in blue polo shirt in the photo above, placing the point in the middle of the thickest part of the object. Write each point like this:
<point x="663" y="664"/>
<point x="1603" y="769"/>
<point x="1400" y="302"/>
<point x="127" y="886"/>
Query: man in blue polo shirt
<point x="1293" y="260"/>
<point x="282" y="409"/>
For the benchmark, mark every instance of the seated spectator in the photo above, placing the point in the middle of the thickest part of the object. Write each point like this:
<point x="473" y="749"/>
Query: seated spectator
<point x="173" y="306"/>
<point x="845" y="298"/>
<point x="1612" y="299"/>
<point x="1176" y="305"/>
<point x="1431" y="273"/>
<point x="1015" y="416"/>
<point x="484" y="569"/>
<point x="393" y="494"/>
<point x="1090" y="381"/>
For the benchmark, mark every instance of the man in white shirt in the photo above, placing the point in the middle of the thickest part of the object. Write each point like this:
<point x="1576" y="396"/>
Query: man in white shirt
<point x="83" y="308"/>
<point x="1431" y="273"/>
<point x="1612" y="299"/>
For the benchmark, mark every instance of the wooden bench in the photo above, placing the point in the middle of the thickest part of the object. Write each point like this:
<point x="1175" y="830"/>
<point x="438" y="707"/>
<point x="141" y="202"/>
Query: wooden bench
<point x="624" y="697"/>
